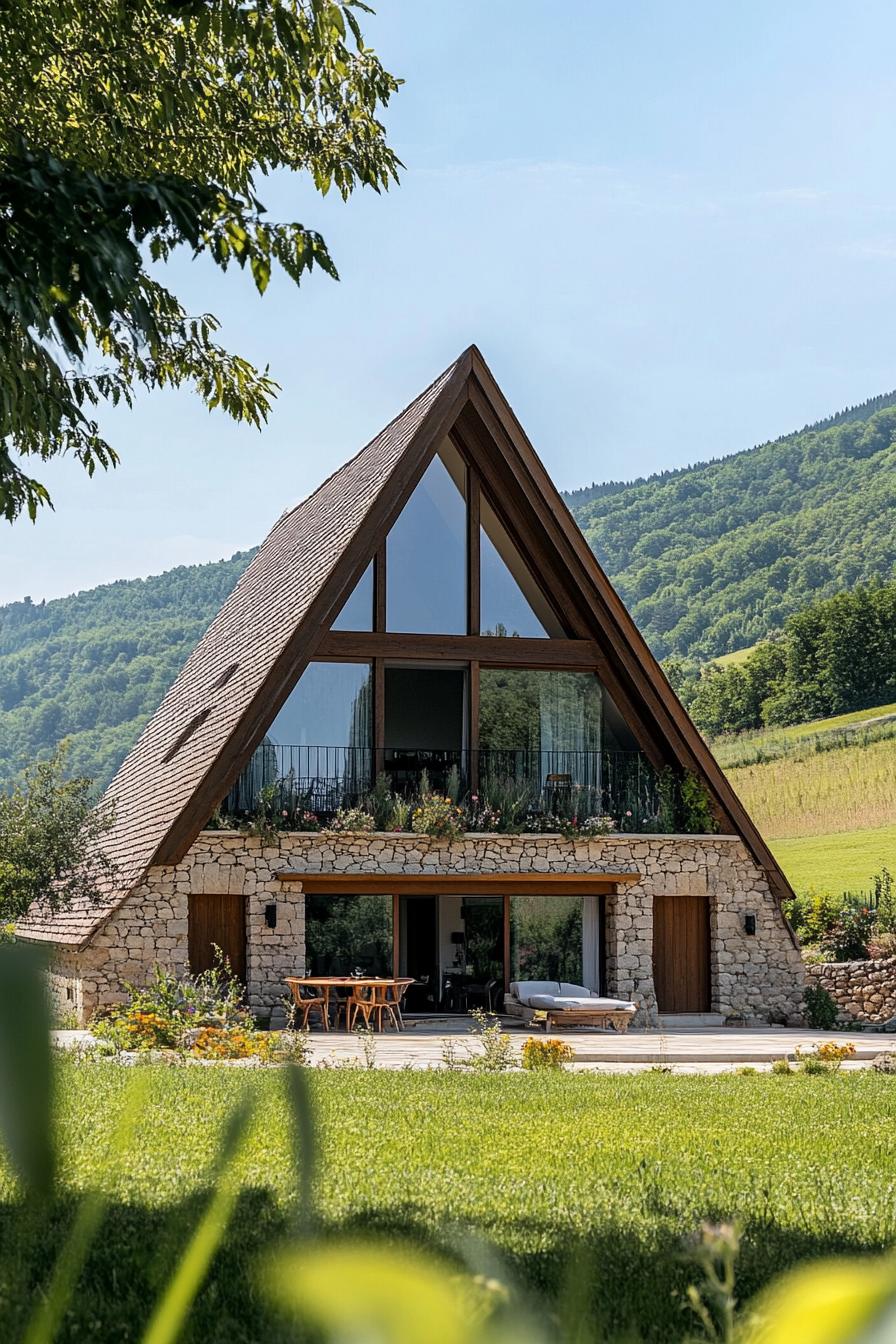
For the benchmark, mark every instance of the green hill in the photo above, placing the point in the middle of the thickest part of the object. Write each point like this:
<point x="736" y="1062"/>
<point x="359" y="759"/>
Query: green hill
<point x="709" y="558"/>
<point x="712" y="557"/>
<point x="94" y="666"/>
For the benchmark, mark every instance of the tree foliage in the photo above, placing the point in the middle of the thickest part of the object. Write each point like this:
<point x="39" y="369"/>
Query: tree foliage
<point x="51" y="841"/>
<point x="134" y="127"/>
<point x="836" y="656"/>
<point x="712" y="558"/>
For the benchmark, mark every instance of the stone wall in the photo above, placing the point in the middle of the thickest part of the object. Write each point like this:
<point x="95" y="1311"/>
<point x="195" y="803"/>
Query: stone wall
<point x="758" y="976"/>
<point x="864" y="991"/>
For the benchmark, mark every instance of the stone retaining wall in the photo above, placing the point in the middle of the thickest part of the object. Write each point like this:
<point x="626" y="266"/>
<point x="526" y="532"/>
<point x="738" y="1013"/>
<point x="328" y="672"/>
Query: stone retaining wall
<point x="864" y="991"/>
<point x="759" y="976"/>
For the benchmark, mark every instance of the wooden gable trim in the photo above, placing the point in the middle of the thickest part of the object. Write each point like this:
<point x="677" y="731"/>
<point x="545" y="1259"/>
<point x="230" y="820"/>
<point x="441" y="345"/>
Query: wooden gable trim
<point x="629" y="647"/>
<point x="285" y="672"/>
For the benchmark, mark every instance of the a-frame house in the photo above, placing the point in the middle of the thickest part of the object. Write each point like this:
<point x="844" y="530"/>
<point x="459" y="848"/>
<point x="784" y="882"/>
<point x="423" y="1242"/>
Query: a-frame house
<point x="432" y="607"/>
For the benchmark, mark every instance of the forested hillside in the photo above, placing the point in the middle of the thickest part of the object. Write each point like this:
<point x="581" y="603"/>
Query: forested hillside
<point x="714" y="557"/>
<point x="709" y="558"/>
<point x="94" y="666"/>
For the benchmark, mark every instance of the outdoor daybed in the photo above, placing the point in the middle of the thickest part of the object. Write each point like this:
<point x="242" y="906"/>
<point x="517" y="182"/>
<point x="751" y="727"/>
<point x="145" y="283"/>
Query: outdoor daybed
<point x="566" y="1005"/>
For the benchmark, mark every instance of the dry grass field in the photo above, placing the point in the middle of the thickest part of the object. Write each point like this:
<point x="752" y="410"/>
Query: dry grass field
<point x="853" y="789"/>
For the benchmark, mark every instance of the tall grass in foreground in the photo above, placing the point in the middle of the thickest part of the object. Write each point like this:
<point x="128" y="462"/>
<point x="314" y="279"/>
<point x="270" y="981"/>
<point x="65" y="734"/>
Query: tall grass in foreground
<point x="354" y="1285"/>
<point x="817" y="793"/>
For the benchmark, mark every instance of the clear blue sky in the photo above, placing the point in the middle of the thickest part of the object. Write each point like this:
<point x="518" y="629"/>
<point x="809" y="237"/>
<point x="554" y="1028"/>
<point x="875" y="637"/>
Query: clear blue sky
<point x="671" y="228"/>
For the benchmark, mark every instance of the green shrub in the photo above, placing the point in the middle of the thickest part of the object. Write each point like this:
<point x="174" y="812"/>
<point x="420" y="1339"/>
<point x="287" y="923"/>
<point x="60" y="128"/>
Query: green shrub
<point x="158" y="1015"/>
<point x="782" y="1066"/>
<point x="381" y="803"/>
<point x="696" y="809"/>
<point x="821" y="1010"/>
<point x="848" y="937"/>
<point x="437" y="816"/>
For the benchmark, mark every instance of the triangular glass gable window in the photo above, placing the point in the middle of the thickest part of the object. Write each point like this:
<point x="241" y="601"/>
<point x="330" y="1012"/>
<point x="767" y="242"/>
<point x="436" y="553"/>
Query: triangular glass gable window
<point x="426" y="553"/>
<point x="511" y="602"/>
<point x="357" y="614"/>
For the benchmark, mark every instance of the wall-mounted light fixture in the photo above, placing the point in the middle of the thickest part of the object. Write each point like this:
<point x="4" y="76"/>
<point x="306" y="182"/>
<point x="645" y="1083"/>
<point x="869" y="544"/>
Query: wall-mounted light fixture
<point x="750" y="924"/>
<point x="270" y="915"/>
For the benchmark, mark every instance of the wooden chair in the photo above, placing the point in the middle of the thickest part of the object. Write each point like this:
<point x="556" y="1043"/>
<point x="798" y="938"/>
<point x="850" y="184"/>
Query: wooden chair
<point x="372" y="1001"/>
<point x="308" y="999"/>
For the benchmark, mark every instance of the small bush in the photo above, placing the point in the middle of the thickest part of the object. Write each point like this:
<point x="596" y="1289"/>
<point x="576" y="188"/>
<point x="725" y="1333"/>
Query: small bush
<point x="848" y="937"/>
<point x="821" y="1010"/>
<point x="812" y="1065"/>
<point x="158" y="1015"/>
<point x="581" y="828"/>
<point x="826" y="1058"/>
<point x="352" y="819"/>
<point x="782" y="1066"/>
<point x="546" y="1054"/>
<point x="496" y="1055"/>
<point x="228" y="1043"/>
<point x="437" y="816"/>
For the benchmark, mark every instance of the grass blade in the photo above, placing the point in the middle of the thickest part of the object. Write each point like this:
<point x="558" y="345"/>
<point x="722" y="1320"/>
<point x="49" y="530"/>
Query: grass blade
<point x="91" y="1211"/>
<point x="26" y="1068"/>
<point x="174" y="1306"/>
<point x="304" y="1144"/>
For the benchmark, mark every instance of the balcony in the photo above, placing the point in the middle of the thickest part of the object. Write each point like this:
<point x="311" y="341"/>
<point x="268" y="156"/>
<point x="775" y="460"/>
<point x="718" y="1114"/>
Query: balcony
<point x="621" y="784"/>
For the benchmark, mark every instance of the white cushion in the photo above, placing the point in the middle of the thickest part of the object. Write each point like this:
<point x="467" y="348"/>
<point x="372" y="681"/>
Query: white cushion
<point x="575" y="991"/>
<point x="559" y="1002"/>
<point x="524" y="989"/>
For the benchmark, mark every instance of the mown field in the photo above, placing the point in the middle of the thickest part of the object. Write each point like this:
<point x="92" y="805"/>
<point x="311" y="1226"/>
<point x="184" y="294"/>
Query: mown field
<point x="844" y="861"/>
<point x="620" y="1170"/>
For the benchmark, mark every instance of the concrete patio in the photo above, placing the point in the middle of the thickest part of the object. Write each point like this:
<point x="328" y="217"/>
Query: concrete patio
<point x="680" y="1049"/>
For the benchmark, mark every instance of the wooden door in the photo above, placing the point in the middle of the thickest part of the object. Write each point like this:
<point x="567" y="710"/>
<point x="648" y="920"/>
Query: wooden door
<point x="217" y="920"/>
<point x="681" y="954"/>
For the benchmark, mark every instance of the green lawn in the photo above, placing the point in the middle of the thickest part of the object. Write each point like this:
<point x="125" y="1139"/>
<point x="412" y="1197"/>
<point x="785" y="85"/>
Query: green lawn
<point x="845" y="861"/>
<point x="622" y="1168"/>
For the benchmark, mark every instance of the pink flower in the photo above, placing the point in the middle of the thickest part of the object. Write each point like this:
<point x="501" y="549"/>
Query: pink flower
<point x="628" y="814"/>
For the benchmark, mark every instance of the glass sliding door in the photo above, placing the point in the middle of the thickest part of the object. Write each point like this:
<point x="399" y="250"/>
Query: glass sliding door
<point x="348" y="933"/>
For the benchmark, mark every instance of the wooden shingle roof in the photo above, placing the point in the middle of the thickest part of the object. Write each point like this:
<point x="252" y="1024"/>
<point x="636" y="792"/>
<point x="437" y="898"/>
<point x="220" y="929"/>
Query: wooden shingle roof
<point x="247" y="644"/>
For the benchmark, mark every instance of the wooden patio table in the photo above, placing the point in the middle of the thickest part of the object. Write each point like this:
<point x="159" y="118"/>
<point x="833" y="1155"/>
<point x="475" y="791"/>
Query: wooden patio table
<point x="327" y="983"/>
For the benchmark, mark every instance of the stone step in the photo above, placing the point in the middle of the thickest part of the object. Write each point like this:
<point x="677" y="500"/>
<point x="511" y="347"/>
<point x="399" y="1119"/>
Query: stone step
<point x="681" y="1021"/>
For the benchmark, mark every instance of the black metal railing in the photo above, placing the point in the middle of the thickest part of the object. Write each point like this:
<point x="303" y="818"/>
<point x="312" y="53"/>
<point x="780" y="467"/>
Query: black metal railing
<point x="292" y="779"/>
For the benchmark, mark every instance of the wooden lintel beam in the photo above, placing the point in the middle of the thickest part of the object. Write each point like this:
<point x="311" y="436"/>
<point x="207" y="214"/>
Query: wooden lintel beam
<point x="466" y="884"/>
<point x="486" y="649"/>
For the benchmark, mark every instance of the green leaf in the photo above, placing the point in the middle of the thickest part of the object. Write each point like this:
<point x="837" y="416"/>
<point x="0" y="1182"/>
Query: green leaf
<point x="26" y="1068"/>
<point x="366" y="1293"/>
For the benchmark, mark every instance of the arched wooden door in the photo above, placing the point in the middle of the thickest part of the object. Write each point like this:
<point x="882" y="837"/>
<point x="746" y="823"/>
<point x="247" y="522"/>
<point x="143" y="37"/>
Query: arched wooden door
<point x="217" y="919"/>
<point x="681" y="954"/>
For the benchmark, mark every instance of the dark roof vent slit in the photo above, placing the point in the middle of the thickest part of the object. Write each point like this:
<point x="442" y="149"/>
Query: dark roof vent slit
<point x="226" y="675"/>
<point x="183" y="738"/>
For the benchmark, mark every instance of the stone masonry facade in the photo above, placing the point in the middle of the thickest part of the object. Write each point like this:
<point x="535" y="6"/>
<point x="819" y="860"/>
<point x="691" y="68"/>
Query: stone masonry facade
<point x="757" y="976"/>
<point x="864" y="991"/>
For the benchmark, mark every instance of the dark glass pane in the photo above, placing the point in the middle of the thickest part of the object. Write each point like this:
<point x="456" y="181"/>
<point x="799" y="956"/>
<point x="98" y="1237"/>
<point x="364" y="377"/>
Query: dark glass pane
<point x="329" y="706"/>
<point x="426" y="555"/>
<point x="511" y="602"/>
<point x="542" y="729"/>
<point x="357" y="614"/>
<point x="546" y="938"/>
<point x="540" y="711"/>
<point x="345" y="933"/>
